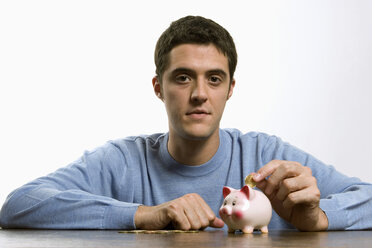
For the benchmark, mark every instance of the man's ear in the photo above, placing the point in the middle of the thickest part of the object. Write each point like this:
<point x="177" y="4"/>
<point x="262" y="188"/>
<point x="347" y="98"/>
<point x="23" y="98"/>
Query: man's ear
<point x="157" y="87"/>
<point x="231" y="89"/>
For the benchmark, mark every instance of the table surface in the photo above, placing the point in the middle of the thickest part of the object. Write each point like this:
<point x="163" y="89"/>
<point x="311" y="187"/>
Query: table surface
<point x="84" y="238"/>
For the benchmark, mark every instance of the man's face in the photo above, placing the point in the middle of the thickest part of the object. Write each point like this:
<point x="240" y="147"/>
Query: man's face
<point x="195" y="88"/>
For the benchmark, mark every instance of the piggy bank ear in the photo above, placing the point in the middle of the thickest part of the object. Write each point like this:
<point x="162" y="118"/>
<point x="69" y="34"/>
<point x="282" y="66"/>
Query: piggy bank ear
<point x="226" y="191"/>
<point x="245" y="190"/>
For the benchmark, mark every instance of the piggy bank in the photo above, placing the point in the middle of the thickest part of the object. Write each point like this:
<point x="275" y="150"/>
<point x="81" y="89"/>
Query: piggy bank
<point x="245" y="209"/>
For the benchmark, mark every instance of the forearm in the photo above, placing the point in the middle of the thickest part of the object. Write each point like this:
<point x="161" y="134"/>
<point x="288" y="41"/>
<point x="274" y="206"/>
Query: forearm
<point x="44" y="207"/>
<point x="349" y="210"/>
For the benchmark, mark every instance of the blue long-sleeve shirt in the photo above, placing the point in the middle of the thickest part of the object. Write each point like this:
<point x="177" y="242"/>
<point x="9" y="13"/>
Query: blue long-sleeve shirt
<point x="103" y="189"/>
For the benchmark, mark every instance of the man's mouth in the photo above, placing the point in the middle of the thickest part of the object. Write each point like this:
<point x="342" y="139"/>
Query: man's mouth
<point x="198" y="113"/>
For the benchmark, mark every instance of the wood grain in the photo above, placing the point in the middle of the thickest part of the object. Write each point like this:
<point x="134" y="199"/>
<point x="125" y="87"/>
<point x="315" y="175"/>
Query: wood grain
<point x="80" y="238"/>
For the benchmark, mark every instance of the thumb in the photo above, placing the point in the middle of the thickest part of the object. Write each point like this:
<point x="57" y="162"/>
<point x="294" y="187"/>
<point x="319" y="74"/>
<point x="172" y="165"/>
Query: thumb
<point x="261" y="185"/>
<point x="218" y="223"/>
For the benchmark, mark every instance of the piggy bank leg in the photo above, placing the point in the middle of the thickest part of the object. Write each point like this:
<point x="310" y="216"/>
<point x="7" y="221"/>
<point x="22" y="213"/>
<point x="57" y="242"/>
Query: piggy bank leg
<point x="264" y="229"/>
<point x="248" y="229"/>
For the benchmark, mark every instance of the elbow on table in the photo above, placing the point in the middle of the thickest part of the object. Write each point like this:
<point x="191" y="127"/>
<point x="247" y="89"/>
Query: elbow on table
<point x="10" y="217"/>
<point x="5" y="217"/>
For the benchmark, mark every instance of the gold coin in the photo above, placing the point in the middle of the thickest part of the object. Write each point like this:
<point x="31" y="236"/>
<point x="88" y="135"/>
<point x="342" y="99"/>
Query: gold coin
<point x="249" y="181"/>
<point x="132" y="231"/>
<point x="190" y="231"/>
<point x="156" y="232"/>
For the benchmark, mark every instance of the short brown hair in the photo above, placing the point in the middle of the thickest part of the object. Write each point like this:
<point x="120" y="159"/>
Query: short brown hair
<point x="194" y="30"/>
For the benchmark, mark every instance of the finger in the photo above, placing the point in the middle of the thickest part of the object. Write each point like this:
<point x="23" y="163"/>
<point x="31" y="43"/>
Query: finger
<point x="307" y="196"/>
<point x="206" y="216"/>
<point x="266" y="170"/>
<point x="205" y="213"/>
<point x="197" y="211"/>
<point x="261" y="185"/>
<point x="217" y="223"/>
<point x="293" y="184"/>
<point x="176" y="213"/>
<point x="181" y="222"/>
<point x="193" y="217"/>
<point x="285" y="170"/>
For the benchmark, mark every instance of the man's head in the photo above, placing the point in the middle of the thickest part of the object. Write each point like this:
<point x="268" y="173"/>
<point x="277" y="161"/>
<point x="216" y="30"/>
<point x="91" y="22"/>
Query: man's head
<point x="195" y="59"/>
<point x="194" y="30"/>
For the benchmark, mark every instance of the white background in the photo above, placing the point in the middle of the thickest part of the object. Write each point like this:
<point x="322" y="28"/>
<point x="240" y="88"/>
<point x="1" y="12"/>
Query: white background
<point x="75" y="74"/>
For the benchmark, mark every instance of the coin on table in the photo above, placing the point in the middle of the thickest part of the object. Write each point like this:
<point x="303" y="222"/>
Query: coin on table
<point x="249" y="181"/>
<point x="132" y="231"/>
<point x="157" y="231"/>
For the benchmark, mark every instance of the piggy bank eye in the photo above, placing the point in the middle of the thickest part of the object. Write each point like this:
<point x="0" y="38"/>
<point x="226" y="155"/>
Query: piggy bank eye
<point x="234" y="202"/>
<point x="224" y="203"/>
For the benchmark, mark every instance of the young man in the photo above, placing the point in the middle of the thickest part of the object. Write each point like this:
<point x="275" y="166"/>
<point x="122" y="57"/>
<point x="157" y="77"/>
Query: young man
<point x="175" y="180"/>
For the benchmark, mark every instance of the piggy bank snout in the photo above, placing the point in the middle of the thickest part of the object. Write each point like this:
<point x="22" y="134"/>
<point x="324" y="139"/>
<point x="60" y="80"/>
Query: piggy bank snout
<point x="225" y="211"/>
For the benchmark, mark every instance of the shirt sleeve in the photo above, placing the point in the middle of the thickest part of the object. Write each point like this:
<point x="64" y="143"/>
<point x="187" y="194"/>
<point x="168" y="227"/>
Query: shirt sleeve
<point x="82" y="195"/>
<point x="347" y="201"/>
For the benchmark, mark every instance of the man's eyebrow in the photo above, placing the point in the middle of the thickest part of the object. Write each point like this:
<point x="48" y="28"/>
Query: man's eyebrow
<point x="192" y="72"/>
<point x="218" y="71"/>
<point x="183" y="70"/>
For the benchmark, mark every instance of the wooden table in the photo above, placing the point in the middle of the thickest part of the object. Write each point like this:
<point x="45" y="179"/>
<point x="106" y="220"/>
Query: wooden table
<point x="102" y="239"/>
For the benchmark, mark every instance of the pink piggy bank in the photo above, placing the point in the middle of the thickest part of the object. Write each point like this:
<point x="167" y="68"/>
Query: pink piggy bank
<point x="246" y="209"/>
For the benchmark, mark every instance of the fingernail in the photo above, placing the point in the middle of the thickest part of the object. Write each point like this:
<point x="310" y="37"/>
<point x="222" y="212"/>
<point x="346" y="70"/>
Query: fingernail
<point x="257" y="177"/>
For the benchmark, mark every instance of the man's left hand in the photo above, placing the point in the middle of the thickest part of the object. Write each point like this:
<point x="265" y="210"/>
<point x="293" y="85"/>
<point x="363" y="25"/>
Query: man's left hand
<point x="293" y="193"/>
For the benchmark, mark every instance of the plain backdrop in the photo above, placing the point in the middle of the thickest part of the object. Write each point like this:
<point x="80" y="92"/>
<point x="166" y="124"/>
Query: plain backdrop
<point x="75" y="74"/>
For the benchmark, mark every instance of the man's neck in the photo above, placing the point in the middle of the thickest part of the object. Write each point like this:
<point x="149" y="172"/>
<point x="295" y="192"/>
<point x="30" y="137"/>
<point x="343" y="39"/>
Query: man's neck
<point x="193" y="152"/>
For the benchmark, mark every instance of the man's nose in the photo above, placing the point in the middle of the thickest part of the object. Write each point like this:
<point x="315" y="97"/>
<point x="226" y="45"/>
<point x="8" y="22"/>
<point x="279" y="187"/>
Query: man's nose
<point x="199" y="92"/>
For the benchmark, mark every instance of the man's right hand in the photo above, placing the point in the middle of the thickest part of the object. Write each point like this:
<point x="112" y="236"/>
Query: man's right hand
<point x="189" y="212"/>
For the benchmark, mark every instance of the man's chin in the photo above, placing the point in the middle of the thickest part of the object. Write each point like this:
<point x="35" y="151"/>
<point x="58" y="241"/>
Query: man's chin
<point x="198" y="134"/>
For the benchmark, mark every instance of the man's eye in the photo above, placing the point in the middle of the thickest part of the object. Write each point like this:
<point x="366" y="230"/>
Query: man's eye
<point x="215" y="80"/>
<point x="182" y="78"/>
